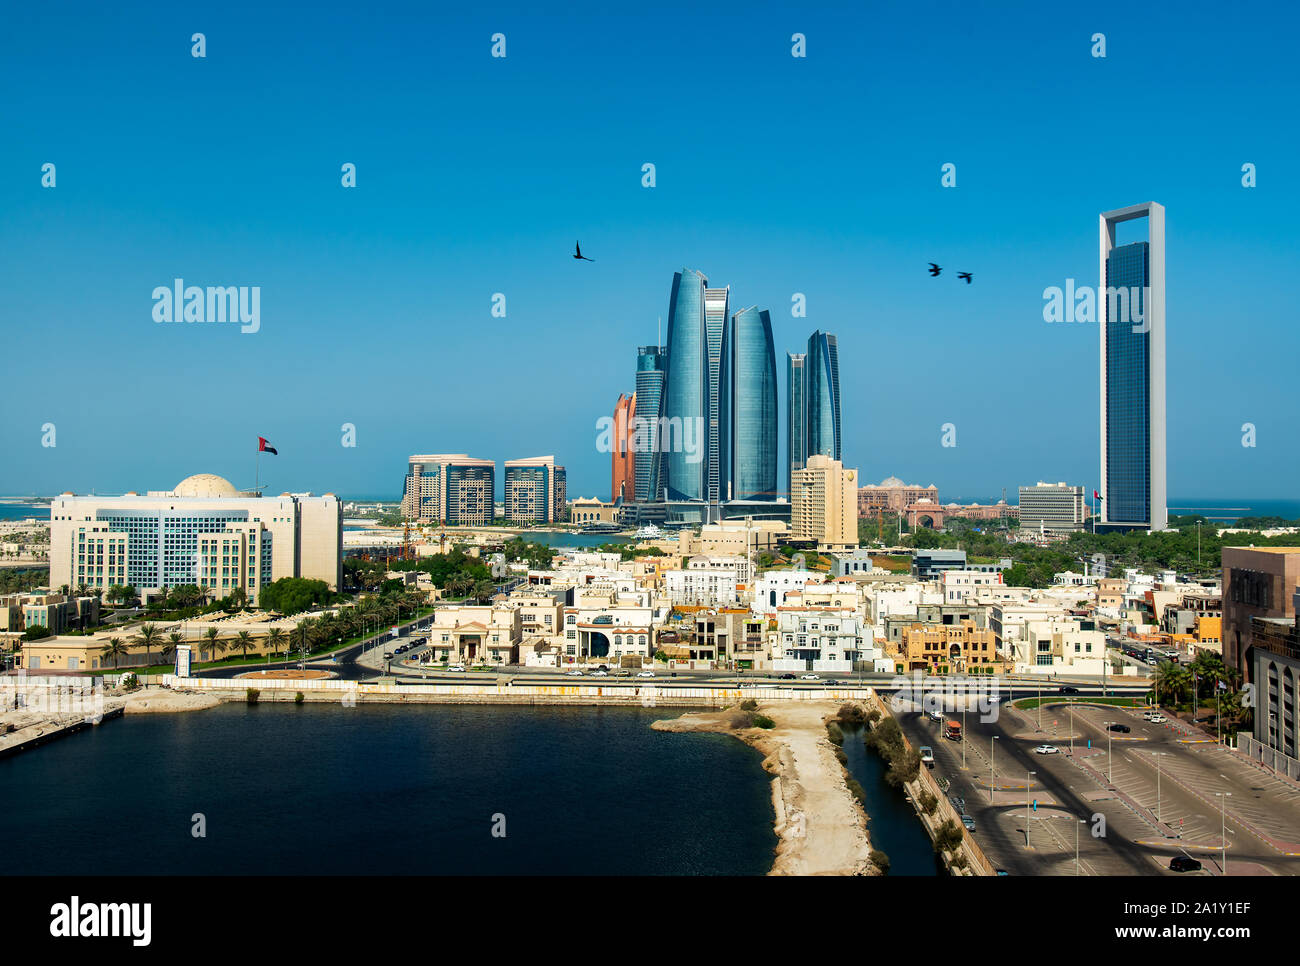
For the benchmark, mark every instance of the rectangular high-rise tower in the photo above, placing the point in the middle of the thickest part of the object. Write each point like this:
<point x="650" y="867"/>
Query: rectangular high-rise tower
<point x="1131" y="310"/>
<point x="715" y="339"/>
<point x="651" y="371"/>
<point x="794" y="415"/>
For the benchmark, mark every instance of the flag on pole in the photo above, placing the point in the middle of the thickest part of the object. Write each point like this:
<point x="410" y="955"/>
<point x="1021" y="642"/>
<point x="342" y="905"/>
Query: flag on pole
<point x="264" y="447"/>
<point x="1096" y="495"/>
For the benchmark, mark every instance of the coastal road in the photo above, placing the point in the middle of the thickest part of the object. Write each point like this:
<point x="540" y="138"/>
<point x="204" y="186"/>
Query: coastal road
<point x="1147" y="821"/>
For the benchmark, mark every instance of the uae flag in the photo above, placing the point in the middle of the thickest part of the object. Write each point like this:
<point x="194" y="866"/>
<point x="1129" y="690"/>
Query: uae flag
<point x="264" y="447"/>
<point x="1096" y="495"/>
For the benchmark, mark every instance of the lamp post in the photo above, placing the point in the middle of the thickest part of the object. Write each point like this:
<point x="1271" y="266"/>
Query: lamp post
<point x="1029" y="780"/>
<point x="1158" y="755"/>
<point x="1109" y="773"/>
<point x="1076" y="844"/>
<point x="993" y="779"/>
<point x="1070" y="706"/>
<point x="1223" y="826"/>
<point x="963" y="732"/>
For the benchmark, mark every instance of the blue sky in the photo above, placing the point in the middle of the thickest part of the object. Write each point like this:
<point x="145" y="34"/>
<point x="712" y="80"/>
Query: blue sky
<point x="775" y="175"/>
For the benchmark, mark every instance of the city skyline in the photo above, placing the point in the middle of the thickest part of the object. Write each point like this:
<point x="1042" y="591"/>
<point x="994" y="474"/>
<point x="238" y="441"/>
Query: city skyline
<point x="371" y="274"/>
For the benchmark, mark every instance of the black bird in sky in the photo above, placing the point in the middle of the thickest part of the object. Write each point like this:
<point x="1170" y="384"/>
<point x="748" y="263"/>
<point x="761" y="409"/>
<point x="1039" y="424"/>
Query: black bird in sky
<point x="934" y="269"/>
<point x="965" y="275"/>
<point x="577" y="250"/>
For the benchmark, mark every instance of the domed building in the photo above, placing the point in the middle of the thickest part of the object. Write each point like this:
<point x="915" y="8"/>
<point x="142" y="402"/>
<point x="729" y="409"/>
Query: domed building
<point x="205" y="531"/>
<point x="207" y="486"/>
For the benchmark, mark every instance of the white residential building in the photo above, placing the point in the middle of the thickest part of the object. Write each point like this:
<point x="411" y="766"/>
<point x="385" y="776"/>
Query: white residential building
<point x="822" y="639"/>
<point x="770" y="590"/>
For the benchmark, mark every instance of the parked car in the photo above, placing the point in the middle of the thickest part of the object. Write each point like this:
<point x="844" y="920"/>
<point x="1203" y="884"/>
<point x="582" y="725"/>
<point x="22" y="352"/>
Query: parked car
<point x="599" y="674"/>
<point x="1184" y="863"/>
<point x="935" y="715"/>
<point x="811" y="677"/>
<point x="574" y="674"/>
<point x="927" y="756"/>
<point x="622" y="673"/>
<point x="968" y="822"/>
<point x="787" y="677"/>
<point x="1157" y="718"/>
<point x="455" y="667"/>
<point x="958" y="802"/>
<point x="1047" y="750"/>
<point x="1122" y="729"/>
<point x="646" y="674"/>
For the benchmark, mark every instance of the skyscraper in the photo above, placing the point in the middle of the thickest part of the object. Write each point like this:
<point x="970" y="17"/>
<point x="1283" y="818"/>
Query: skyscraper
<point x="685" y="403"/>
<point x="822" y="396"/>
<point x="752" y="407"/>
<point x="1131" y="305"/>
<point x="534" y="490"/>
<point x="794" y="414"/>
<point x="716" y="304"/>
<point x="622" y="485"/>
<point x="651" y="370"/>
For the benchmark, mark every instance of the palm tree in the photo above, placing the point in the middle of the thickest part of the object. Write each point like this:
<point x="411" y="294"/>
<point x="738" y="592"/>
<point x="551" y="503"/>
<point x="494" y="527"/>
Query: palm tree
<point x="243" y="641"/>
<point x="168" y="649"/>
<point x="274" y="638"/>
<point x="115" y="648"/>
<point x="215" y="643"/>
<point x="150" y="637"/>
<point x="1171" y="679"/>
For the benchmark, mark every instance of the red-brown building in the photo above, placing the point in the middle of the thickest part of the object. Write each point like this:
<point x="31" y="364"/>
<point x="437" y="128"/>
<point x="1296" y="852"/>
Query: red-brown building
<point x="622" y="459"/>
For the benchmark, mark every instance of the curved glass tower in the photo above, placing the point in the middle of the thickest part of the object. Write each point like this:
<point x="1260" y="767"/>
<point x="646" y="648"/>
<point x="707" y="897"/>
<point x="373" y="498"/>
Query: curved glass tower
<point x="650" y="372"/>
<point x="822" y="388"/>
<point x="685" y="406"/>
<point x="751" y="406"/>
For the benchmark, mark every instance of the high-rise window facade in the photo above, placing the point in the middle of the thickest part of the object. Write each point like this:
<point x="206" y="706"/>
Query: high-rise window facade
<point x="822" y="399"/>
<point x="794" y="414"/>
<point x="685" y="407"/>
<point x="651" y="370"/>
<point x="752" y="406"/>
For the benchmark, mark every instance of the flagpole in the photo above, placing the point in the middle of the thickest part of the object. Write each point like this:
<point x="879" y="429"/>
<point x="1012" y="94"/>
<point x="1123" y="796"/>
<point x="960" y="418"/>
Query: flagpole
<point x="257" y="473"/>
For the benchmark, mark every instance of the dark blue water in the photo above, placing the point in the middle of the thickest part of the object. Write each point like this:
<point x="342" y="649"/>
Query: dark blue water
<point x="385" y="790"/>
<point x="21" y="511"/>
<point x="892" y="824"/>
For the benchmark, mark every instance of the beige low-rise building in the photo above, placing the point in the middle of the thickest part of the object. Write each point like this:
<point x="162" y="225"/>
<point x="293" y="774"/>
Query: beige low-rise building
<point x="472" y="634"/>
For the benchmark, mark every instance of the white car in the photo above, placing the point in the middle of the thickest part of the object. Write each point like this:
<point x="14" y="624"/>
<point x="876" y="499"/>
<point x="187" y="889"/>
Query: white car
<point x="600" y="674"/>
<point x="810" y="677"/>
<point x="455" y="667"/>
<point x="574" y="674"/>
<point x="935" y="715"/>
<point x="1157" y="718"/>
<point x="646" y="674"/>
<point x="1047" y="750"/>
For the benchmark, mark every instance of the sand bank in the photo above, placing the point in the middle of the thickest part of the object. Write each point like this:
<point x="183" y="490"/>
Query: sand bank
<point x="820" y="825"/>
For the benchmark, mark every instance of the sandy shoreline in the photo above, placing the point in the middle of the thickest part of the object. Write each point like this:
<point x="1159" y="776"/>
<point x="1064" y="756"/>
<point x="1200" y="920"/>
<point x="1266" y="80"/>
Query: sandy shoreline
<point x="820" y="826"/>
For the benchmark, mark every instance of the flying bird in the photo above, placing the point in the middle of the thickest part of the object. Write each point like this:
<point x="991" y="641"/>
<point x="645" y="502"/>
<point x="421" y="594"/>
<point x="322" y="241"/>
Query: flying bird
<point x="934" y="269"/>
<point x="577" y="253"/>
<point x="965" y="275"/>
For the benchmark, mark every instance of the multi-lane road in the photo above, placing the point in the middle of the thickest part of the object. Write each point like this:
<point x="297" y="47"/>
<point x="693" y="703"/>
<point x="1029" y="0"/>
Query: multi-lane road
<point x="1131" y="801"/>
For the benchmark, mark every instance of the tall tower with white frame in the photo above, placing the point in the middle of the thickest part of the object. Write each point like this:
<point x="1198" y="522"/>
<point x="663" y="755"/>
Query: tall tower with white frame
<point x="1131" y="313"/>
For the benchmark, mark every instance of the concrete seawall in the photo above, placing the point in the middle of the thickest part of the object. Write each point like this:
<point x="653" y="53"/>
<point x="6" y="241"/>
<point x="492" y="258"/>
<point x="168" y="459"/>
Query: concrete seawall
<point x="502" y="692"/>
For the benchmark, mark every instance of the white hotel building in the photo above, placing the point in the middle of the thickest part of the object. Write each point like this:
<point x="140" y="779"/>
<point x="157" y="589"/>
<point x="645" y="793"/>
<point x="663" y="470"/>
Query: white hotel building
<point x="203" y="532"/>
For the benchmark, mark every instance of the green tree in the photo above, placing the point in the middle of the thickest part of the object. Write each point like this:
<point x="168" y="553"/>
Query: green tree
<point x="115" y="648"/>
<point x="149" y="636"/>
<point x="243" y="641"/>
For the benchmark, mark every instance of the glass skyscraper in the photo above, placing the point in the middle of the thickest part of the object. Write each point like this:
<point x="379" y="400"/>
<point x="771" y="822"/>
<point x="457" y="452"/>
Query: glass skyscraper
<point x="794" y="414"/>
<point x="651" y="369"/>
<point x="822" y="396"/>
<point x="752" y="406"/>
<point x="1131" y="307"/>
<point x="716" y="304"/>
<point x="685" y="405"/>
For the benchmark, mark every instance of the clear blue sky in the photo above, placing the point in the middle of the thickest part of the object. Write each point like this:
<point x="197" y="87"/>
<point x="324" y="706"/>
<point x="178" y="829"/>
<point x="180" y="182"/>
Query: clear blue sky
<point x="775" y="175"/>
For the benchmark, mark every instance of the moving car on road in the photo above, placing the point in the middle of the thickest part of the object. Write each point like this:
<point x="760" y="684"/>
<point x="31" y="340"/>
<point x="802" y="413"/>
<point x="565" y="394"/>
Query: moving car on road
<point x="1047" y="750"/>
<point x="1067" y="689"/>
<point x="1122" y="729"/>
<point x="1184" y="863"/>
<point x="927" y="756"/>
<point x="646" y="674"/>
<point x="455" y="667"/>
<point x="968" y="822"/>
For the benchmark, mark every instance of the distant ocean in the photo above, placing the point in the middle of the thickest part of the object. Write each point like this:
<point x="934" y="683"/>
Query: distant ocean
<point x="1227" y="510"/>
<point x="20" y="511"/>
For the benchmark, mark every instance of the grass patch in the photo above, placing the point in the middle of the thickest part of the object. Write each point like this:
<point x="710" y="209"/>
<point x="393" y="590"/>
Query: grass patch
<point x="1026" y="704"/>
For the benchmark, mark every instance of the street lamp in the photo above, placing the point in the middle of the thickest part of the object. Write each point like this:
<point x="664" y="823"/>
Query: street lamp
<point x="1158" y="755"/>
<point x="1081" y="821"/>
<point x="1028" y="781"/>
<point x="1223" y="826"/>
<point x="1110" y="780"/>
<point x="963" y="730"/>
<point x="993" y="779"/>
<point x="1070" y="707"/>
